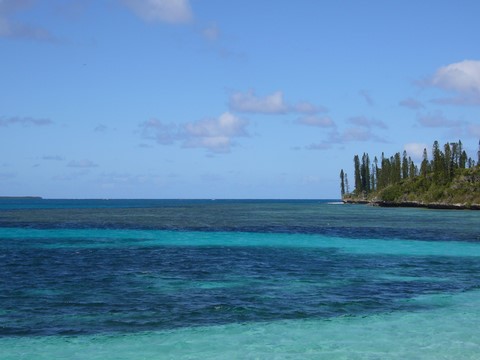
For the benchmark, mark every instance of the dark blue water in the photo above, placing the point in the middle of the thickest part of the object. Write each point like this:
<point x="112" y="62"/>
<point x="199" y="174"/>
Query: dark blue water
<point x="80" y="267"/>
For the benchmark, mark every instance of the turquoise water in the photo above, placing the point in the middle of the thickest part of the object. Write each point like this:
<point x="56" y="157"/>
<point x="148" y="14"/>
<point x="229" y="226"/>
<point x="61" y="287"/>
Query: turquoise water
<point x="237" y="279"/>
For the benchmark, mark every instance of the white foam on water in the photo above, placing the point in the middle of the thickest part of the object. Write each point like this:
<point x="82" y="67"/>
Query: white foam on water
<point x="448" y="332"/>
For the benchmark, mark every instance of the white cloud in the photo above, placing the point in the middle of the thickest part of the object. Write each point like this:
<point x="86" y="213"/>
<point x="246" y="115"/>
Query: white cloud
<point x="463" y="78"/>
<point x="313" y="120"/>
<point x="249" y="102"/>
<point x="274" y="103"/>
<point x="415" y="150"/>
<point x="82" y="164"/>
<point x="168" y="11"/>
<point x="215" y="135"/>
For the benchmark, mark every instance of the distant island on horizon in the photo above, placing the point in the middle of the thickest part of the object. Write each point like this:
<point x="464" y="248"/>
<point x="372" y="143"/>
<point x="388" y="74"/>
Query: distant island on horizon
<point x="450" y="180"/>
<point x="21" y="198"/>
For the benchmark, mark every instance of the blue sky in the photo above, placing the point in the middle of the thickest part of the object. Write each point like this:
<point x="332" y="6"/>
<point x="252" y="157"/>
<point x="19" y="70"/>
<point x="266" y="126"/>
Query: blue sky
<point x="227" y="99"/>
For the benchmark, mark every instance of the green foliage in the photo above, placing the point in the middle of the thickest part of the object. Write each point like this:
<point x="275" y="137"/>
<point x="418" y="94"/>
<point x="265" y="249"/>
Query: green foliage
<point x="342" y="183"/>
<point x="450" y="178"/>
<point x="391" y="193"/>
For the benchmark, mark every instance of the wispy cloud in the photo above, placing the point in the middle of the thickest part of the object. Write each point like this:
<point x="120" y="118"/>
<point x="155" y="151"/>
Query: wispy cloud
<point x="24" y="121"/>
<point x="127" y="179"/>
<point x="357" y="134"/>
<point x="72" y="9"/>
<point x="249" y="102"/>
<point x="305" y="107"/>
<point x="361" y="132"/>
<point x="7" y="175"/>
<point x="368" y="123"/>
<point x="458" y="100"/>
<point x="314" y="120"/>
<point x="366" y="96"/>
<point x="319" y="146"/>
<point x="347" y="136"/>
<point x="53" y="158"/>
<point x="275" y="103"/>
<point x="84" y="164"/>
<point x="438" y="120"/>
<point x="11" y="28"/>
<point x="411" y="104"/>
<point x="167" y="11"/>
<point x="101" y="128"/>
<point x="162" y="133"/>
<point x="211" y="32"/>
<point x="461" y="78"/>
<point x="216" y="134"/>
<point x="73" y="176"/>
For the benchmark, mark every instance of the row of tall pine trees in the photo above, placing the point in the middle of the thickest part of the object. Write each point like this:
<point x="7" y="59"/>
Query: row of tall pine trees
<point x="371" y="176"/>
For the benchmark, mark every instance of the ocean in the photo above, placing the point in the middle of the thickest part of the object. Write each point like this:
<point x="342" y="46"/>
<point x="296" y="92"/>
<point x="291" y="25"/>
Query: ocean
<point x="236" y="279"/>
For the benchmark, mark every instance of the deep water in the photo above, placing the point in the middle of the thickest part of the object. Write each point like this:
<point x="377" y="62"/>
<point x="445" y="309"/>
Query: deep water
<point x="236" y="279"/>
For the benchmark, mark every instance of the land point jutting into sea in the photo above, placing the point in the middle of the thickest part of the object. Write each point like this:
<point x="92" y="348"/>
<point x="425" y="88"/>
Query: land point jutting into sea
<point x="449" y="179"/>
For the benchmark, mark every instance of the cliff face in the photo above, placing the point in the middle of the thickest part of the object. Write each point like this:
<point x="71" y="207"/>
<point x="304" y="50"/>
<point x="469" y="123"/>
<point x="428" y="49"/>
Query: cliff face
<point x="462" y="192"/>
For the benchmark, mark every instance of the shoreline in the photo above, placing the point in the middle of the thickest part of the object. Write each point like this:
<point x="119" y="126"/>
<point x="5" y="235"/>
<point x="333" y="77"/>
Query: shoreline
<point x="413" y="204"/>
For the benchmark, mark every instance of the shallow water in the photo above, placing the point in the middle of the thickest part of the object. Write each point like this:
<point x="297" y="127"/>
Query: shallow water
<point x="236" y="279"/>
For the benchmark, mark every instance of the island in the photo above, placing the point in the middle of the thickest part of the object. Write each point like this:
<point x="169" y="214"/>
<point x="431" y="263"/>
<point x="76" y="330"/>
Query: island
<point x="450" y="180"/>
<point x="21" y="198"/>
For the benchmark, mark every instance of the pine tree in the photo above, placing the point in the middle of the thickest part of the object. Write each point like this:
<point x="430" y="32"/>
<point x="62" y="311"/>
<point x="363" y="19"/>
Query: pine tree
<point x="365" y="173"/>
<point x="398" y="169"/>
<point x="424" y="166"/>
<point x="373" y="178"/>
<point x="347" y="187"/>
<point x="412" y="170"/>
<point x="455" y="156"/>
<point x="358" y="177"/>
<point x="405" y="166"/>
<point x="438" y="163"/>
<point x="478" y="154"/>
<point x="342" y="183"/>
<point x="463" y="160"/>
<point x="437" y="174"/>
<point x="447" y="163"/>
